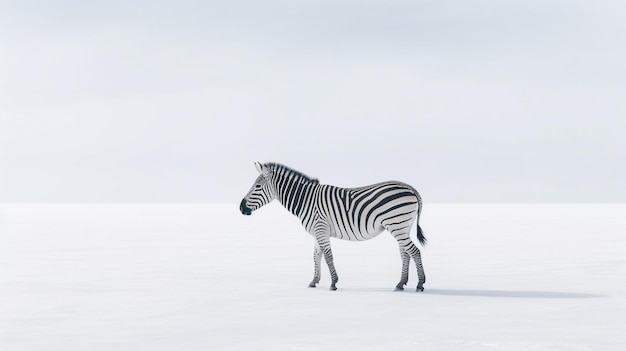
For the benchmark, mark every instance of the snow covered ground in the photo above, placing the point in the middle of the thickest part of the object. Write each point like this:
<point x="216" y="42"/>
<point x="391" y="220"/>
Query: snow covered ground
<point x="204" y="277"/>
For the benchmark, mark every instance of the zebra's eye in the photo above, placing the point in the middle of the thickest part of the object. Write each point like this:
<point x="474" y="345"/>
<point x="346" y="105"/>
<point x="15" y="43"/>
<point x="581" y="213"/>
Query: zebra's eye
<point x="258" y="186"/>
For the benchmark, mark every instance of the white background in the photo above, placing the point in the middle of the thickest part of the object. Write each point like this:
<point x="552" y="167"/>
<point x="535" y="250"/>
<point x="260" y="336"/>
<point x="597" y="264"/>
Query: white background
<point x="173" y="101"/>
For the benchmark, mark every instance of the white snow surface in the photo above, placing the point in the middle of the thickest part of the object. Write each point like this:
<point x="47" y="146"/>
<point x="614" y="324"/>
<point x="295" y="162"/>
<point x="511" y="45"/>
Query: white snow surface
<point x="204" y="277"/>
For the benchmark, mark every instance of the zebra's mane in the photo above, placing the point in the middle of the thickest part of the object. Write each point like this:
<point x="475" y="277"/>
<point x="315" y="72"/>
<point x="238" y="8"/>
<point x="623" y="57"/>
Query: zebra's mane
<point x="286" y="171"/>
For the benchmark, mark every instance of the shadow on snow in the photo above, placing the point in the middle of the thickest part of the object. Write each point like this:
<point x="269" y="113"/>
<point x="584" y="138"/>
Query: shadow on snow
<point x="512" y="294"/>
<point x="533" y="294"/>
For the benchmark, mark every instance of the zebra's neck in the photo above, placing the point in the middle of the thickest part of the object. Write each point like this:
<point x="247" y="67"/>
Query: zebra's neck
<point x="294" y="194"/>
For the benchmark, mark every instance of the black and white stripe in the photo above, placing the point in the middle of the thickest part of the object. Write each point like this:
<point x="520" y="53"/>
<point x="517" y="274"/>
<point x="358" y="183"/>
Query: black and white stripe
<point x="353" y="214"/>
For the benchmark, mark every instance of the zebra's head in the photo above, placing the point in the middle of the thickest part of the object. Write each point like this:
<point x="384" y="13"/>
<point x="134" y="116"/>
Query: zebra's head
<point x="261" y="192"/>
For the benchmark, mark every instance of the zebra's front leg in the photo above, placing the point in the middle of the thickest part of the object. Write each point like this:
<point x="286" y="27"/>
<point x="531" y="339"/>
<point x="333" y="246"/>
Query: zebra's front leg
<point x="323" y="240"/>
<point x="317" y="258"/>
<point x="404" y="277"/>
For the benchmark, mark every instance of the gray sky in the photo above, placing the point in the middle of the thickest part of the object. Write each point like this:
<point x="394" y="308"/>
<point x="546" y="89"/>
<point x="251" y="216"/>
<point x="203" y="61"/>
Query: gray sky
<point x="173" y="101"/>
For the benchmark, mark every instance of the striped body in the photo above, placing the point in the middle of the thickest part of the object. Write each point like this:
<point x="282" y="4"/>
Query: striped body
<point x="353" y="214"/>
<point x="357" y="214"/>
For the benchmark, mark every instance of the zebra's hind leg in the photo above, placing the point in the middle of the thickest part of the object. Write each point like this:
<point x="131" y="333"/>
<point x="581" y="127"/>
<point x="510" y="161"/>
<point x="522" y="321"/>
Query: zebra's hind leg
<point x="317" y="258"/>
<point x="417" y="257"/>
<point x="409" y="248"/>
<point x="404" y="278"/>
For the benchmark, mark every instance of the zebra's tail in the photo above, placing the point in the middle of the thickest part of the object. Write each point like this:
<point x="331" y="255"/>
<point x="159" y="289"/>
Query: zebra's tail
<point x="420" y="235"/>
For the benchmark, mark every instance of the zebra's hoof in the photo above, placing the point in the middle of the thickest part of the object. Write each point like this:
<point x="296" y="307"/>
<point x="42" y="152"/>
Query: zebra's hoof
<point x="312" y="285"/>
<point x="333" y="288"/>
<point x="419" y="289"/>
<point x="399" y="288"/>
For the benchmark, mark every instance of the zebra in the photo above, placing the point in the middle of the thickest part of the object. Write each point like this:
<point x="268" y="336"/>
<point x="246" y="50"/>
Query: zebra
<point x="353" y="214"/>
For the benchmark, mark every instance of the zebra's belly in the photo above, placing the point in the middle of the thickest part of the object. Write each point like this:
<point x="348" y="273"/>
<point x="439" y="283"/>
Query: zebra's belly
<point x="351" y="234"/>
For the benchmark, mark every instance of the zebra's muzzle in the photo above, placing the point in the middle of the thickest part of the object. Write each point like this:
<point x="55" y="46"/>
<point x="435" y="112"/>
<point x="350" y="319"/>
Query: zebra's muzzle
<point x="244" y="209"/>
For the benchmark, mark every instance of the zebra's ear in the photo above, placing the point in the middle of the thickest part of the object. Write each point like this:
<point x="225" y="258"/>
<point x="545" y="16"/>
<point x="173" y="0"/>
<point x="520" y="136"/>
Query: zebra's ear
<point x="259" y="167"/>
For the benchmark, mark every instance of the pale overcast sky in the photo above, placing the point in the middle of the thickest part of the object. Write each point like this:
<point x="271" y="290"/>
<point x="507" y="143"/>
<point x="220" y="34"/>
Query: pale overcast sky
<point x="173" y="101"/>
